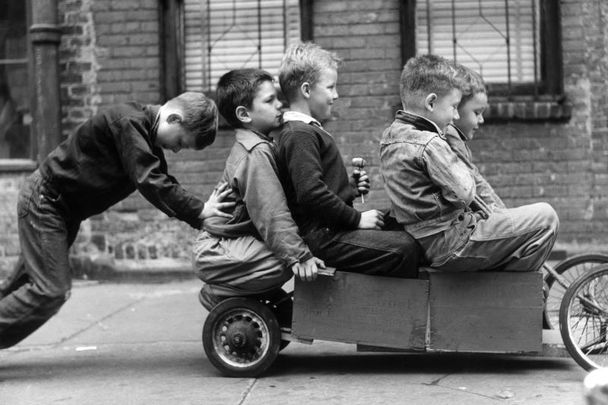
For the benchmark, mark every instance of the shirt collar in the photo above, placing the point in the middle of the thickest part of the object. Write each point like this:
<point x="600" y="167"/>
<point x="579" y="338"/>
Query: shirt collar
<point x="249" y="138"/>
<point x="298" y="116"/>
<point x="419" y="122"/>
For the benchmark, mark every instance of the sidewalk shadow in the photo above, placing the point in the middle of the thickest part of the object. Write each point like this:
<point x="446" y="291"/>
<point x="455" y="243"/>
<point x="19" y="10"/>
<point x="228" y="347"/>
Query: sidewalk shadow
<point x="413" y="363"/>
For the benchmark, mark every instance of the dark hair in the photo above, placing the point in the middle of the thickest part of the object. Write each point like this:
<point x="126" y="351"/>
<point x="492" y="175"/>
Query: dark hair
<point x="427" y="74"/>
<point x="200" y="116"/>
<point x="238" y="88"/>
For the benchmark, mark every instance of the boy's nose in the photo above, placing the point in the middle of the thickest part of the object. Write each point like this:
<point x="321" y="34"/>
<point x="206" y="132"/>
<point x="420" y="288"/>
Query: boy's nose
<point x="456" y="115"/>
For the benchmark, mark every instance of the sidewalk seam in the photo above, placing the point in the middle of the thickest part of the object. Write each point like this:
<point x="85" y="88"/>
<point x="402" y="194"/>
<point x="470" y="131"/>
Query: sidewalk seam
<point x="247" y="391"/>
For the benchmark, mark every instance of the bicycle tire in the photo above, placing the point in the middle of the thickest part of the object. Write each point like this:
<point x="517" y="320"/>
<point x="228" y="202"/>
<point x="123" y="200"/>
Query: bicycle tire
<point x="583" y="319"/>
<point x="570" y="268"/>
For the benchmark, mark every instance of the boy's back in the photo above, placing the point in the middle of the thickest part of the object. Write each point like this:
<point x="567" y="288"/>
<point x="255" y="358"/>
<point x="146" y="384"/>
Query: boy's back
<point x="110" y="156"/>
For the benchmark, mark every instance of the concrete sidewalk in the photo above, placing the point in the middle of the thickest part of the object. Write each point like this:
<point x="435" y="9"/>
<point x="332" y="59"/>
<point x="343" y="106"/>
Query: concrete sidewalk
<point x="140" y="344"/>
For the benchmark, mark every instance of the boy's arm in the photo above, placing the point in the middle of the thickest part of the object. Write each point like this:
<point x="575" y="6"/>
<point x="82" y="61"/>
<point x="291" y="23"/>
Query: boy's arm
<point x="301" y="154"/>
<point x="149" y="175"/>
<point x="449" y="172"/>
<point x="266" y="204"/>
<point x="484" y="189"/>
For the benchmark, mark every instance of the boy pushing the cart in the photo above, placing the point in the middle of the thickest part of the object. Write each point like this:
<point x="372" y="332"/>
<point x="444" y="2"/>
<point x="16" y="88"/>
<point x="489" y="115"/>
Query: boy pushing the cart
<point x="117" y="151"/>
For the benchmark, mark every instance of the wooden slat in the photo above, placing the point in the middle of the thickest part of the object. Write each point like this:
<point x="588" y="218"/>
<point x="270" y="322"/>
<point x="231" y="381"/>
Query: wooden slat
<point x="368" y="310"/>
<point x="495" y="312"/>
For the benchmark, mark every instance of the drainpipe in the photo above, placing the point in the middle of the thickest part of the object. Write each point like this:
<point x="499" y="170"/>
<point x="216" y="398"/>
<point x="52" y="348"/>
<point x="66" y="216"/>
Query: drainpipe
<point x="45" y="36"/>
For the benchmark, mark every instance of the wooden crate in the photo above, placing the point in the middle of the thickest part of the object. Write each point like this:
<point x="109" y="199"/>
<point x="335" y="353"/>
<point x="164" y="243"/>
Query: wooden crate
<point x="494" y="312"/>
<point x="356" y="308"/>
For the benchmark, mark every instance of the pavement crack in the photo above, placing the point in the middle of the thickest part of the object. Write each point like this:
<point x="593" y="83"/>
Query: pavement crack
<point x="248" y="391"/>
<point x="437" y="381"/>
<point x="97" y="322"/>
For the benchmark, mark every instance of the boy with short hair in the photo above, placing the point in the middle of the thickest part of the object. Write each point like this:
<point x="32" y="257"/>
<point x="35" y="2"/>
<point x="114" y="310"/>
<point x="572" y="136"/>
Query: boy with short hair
<point x="112" y="154"/>
<point x="433" y="192"/>
<point x="318" y="189"/>
<point x="253" y="251"/>
<point x="470" y="111"/>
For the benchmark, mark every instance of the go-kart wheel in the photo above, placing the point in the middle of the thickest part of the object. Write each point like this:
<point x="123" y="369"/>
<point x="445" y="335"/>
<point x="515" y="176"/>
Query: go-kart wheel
<point x="570" y="269"/>
<point x="241" y="337"/>
<point x="281" y="305"/>
<point x="583" y="319"/>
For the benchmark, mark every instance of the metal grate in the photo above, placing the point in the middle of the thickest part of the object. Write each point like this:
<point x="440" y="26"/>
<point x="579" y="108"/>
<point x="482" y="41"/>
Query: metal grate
<point x="497" y="38"/>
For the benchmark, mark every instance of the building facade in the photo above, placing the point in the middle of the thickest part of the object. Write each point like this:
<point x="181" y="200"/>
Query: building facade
<point x="545" y="61"/>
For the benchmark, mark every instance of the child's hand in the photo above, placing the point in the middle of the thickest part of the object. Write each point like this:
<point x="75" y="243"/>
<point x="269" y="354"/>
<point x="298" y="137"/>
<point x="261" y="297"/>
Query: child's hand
<point x="480" y="206"/>
<point x="372" y="219"/>
<point x="308" y="270"/>
<point x="361" y="181"/>
<point x="213" y="207"/>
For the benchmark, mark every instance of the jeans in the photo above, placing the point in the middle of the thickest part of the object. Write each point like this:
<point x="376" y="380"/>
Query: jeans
<point x="391" y="252"/>
<point x="41" y="281"/>
<point x="236" y="267"/>
<point x="511" y="239"/>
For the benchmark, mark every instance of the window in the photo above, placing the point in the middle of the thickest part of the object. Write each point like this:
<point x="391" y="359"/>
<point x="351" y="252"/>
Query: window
<point x="515" y="45"/>
<point x="15" y="117"/>
<point x="220" y="35"/>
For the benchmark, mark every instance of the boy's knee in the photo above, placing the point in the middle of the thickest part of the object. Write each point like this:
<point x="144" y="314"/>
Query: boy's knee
<point x="547" y="215"/>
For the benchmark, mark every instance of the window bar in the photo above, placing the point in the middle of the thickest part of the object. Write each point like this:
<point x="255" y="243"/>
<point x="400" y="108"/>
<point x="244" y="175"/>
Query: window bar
<point x="508" y="40"/>
<point x="207" y="20"/>
<point x="454" y="39"/>
<point x="259" y="34"/>
<point x="534" y="48"/>
<point x="429" y="33"/>
<point x="285" y="24"/>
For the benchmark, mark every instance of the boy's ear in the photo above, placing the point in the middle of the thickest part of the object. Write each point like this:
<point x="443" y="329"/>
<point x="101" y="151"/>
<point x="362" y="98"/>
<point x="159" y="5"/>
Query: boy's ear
<point x="305" y="89"/>
<point x="175" y="118"/>
<point x="242" y="114"/>
<point x="429" y="101"/>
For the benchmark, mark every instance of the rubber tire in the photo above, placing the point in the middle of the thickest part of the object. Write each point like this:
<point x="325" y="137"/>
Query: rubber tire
<point x="561" y="268"/>
<point x="570" y="295"/>
<point x="253" y="308"/>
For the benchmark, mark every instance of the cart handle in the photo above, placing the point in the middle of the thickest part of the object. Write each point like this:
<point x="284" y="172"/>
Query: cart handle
<point x="328" y="271"/>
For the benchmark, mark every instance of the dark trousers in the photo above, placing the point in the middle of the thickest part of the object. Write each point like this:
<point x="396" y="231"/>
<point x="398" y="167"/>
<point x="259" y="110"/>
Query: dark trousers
<point x="392" y="253"/>
<point x="41" y="281"/>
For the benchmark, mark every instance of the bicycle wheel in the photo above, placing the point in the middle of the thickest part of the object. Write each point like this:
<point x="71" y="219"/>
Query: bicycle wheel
<point x="583" y="319"/>
<point x="570" y="269"/>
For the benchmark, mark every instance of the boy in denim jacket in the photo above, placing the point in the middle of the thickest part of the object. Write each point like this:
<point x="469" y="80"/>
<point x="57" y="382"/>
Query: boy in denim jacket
<point x="319" y="191"/>
<point x="255" y="251"/>
<point x="434" y="194"/>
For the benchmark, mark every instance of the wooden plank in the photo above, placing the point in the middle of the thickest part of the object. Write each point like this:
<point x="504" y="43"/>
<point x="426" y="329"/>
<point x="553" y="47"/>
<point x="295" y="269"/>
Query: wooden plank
<point x="493" y="312"/>
<point x="356" y="308"/>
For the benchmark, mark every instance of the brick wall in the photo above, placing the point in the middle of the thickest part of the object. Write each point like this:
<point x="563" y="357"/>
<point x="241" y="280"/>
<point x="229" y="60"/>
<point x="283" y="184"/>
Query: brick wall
<point x="563" y="163"/>
<point x="110" y="53"/>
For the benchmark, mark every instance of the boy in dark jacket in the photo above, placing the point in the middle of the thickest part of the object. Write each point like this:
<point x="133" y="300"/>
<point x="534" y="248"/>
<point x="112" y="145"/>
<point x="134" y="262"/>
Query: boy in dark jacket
<point x="319" y="191"/>
<point x="112" y="154"/>
<point x="255" y="251"/>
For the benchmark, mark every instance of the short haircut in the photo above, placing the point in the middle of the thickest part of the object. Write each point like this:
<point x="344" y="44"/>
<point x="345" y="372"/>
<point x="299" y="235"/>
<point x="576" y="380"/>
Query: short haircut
<point x="472" y="82"/>
<point x="238" y="88"/>
<point x="303" y="62"/>
<point x="200" y="116"/>
<point x="427" y="74"/>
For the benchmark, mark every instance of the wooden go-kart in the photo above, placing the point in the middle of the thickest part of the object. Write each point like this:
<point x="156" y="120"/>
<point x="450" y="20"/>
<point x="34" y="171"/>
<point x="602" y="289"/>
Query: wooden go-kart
<point x="477" y="312"/>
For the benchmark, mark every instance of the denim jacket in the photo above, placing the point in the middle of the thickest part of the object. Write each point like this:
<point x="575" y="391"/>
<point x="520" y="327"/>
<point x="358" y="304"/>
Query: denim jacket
<point x="457" y="141"/>
<point x="261" y="207"/>
<point x="428" y="185"/>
